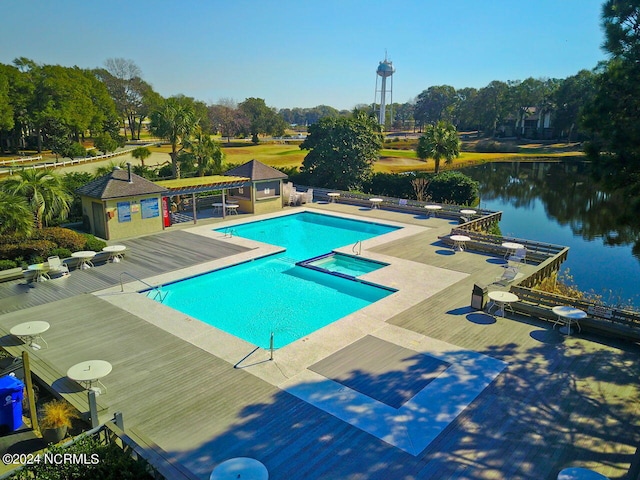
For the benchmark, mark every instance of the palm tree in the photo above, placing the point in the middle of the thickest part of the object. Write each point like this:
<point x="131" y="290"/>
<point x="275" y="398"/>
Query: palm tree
<point x="205" y="152"/>
<point x="439" y="141"/>
<point x="44" y="192"/>
<point x="15" y="215"/>
<point x="141" y="153"/>
<point x="174" y="121"/>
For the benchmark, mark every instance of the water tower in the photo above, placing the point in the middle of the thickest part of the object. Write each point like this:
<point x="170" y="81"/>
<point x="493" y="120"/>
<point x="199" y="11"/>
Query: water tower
<point x="385" y="70"/>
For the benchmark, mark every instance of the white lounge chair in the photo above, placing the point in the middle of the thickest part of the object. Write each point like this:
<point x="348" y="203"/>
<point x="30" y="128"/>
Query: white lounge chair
<point x="56" y="267"/>
<point x="508" y="276"/>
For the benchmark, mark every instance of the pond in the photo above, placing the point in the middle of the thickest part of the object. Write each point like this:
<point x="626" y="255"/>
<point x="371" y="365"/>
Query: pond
<point x="557" y="202"/>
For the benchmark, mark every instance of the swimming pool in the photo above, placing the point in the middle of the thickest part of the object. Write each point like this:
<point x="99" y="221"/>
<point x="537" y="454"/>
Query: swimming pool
<point x="348" y="265"/>
<point x="273" y="294"/>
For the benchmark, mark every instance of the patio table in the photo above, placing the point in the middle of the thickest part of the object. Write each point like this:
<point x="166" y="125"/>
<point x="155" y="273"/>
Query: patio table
<point x="40" y="271"/>
<point x="333" y="196"/>
<point x="85" y="257"/>
<point x="459" y="241"/>
<point x="375" y="202"/>
<point x="567" y="316"/>
<point x="502" y="300"/>
<point x="240" y="468"/>
<point x="89" y="373"/>
<point x="578" y="473"/>
<point x="115" y="252"/>
<point x="433" y="209"/>
<point x="28" y="332"/>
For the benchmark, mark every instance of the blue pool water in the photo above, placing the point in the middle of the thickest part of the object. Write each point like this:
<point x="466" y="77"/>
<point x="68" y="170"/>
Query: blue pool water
<point x="345" y="264"/>
<point x="272" y="294"/>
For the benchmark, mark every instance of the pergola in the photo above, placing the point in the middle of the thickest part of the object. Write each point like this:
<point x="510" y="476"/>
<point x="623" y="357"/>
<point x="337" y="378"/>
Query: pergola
<point x="193" y="185"/>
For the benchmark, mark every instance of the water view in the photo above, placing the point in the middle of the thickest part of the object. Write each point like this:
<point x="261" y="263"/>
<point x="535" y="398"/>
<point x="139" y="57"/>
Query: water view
<point x="559" y="203"/>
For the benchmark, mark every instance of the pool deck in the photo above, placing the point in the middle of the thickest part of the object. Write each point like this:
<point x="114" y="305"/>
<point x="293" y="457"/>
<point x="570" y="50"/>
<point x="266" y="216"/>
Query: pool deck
<point x="517" y="400"/>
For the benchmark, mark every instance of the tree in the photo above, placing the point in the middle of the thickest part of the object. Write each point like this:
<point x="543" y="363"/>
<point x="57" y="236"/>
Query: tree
<point x="44" y="192"/>
<point x="435" y="104"/>
<point x="105" y="143"/>
<point x="439" y="141"/>
<point x="612" y="116"/>
<point x="570" y="99"/>
<point x="174" y="121"/>
<point x="205" y="153"/>
<point x="141" y="153"/>
<point x="493" y="105"/>
<point x="262" y="119"/>
<point x="15" y="215"/>
<point x="342" y="151"/>
<point x="227" y="120"/>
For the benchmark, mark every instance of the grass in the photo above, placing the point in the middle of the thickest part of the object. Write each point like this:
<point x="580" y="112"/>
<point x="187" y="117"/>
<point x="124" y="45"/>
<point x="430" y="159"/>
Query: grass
<point x="392" y="160"/>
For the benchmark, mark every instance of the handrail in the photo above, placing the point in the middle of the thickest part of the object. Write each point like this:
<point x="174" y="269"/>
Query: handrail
<point x="358" y="246"/>
<point x="228" y="232"/>
<point x="157" y="288"/>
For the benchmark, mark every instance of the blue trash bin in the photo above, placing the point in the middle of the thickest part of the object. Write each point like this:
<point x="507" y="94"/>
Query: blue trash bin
<point x="11" y="394"/>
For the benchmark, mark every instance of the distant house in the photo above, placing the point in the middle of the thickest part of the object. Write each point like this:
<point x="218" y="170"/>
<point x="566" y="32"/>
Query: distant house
<point x="121" y="204"/>
<point x="533" y="124"/>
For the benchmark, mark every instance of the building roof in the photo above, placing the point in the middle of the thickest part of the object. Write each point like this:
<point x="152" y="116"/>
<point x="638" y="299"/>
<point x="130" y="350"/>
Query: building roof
<point x="119" y="183"/>
<point x="183" y="186"/>
<point x="256" y="170"/>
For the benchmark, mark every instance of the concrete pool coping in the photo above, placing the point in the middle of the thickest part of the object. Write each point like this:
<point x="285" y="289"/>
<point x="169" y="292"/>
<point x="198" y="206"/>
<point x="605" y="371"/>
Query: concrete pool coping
<point x="414" y="282"/>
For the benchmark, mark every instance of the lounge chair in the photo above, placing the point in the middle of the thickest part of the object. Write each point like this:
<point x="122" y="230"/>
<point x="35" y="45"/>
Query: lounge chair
<point x="508" y="276"/>
<point x="56" y="267"/>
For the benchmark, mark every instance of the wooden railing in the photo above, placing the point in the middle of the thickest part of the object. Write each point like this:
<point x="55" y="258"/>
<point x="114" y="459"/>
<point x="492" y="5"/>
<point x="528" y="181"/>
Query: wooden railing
<point x="601" y="318"/>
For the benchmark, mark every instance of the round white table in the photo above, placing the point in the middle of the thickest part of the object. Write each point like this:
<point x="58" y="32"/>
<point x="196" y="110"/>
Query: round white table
<point x="468" y="212"/>
<point x="459" y="241"/>
<point x="333" y="196"/>
<point x="85" y="257"/>
<point x="502" y="300"/>
<point x="511" y="248"/>
<point x="39" y="271"/>
<point x="375" y="202"/>
<point x="578" y="473"/>
<point x="217" y="207"/>
<point x="242" y="468"/>
<point x="433" y="209"/>
<point x="232" y="208"/>
<point x="567" y="316"/>
<point x="115" y="252"/>
<point x="30" y="331"/>
<point x="90" y="372"/>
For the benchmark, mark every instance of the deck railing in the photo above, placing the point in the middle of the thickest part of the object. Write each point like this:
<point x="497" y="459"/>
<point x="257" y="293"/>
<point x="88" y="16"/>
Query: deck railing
<point x="156" y="461"/>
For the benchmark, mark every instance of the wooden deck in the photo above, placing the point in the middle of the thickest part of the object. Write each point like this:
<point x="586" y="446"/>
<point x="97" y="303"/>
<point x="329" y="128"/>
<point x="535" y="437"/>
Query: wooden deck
<point x="561" y="401"/>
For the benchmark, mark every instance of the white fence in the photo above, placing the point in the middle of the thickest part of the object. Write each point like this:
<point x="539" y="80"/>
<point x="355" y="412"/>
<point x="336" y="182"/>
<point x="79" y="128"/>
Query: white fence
<point x="64" y="163"/>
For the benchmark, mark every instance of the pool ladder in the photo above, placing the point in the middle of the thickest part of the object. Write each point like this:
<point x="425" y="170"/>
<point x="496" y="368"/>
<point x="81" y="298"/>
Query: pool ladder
<point x="157" y="289"/>
<point x="357" y="247"/>
<point x="228" y="232"/>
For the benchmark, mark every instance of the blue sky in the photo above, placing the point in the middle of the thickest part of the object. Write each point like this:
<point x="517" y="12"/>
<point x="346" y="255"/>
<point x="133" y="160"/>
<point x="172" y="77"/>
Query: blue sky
<point x="309" y="52"/>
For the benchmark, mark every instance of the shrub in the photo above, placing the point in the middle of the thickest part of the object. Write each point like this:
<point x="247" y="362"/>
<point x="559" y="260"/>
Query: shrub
<point x="62" y="237"/>
<point x="107" y="462"/>
<point x="453" y="187"/>
<point x="58" y="413"/>
<point x="32" y="250"/>
<point x="7" y="264"/>
<point x="60" y="252"/>
<point x="93" y="243"/>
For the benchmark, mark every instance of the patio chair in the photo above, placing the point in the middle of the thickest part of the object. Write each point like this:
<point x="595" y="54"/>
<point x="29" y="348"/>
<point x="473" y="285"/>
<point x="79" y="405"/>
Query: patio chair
<point x="307" y="197"/>
<point x="518" y="256"/>
<point x="508" y="276"/>
<point x="56" y="267"/>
